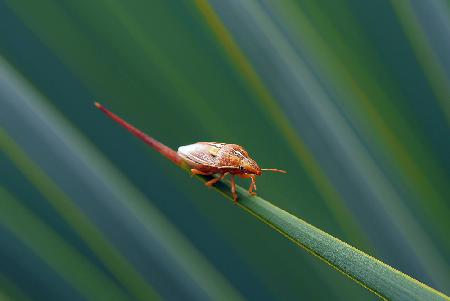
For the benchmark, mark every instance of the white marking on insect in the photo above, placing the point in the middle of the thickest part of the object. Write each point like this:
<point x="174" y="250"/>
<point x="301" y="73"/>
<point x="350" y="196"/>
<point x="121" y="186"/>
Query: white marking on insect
<point x="239" y="154"/>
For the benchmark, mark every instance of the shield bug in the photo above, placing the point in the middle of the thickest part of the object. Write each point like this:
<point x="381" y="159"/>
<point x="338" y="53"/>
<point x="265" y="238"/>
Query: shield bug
<point x="205" y="158"/>
<point x="209" y="158"/>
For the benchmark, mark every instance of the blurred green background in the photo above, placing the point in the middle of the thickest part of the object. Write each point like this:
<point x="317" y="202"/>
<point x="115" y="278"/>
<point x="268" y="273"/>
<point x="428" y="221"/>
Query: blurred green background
<point x="351" y="97"/>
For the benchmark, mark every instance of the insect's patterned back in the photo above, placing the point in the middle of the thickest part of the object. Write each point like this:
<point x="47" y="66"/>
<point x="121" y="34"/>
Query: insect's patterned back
<point x="214" y="157"/>
<point x="202" y="153"/>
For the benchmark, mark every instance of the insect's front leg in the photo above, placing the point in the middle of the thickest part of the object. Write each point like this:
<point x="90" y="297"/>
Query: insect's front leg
<point x="215" y="180"/>
<point x="252" y="186"/>
<point x="233" y="188"/>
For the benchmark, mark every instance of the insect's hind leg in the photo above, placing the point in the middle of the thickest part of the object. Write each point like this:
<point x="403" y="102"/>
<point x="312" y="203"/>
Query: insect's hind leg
<point x="215" y="180"/>
<point x="199" y="172"/>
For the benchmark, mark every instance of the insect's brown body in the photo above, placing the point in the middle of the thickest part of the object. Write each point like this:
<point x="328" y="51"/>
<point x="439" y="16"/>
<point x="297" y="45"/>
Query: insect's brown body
<point x="214" y="157"/>
<point x="208" y="158"/>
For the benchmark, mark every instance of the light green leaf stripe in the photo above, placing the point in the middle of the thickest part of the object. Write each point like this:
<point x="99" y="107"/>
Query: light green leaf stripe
<point x="51" y="248"/>
<point x="424" y="53"/>
<point x="378" y="277"/>
<point x="4" y="297"/>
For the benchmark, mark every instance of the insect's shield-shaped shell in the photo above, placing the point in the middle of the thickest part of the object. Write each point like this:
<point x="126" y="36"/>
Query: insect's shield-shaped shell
<point x="201" y="153"/>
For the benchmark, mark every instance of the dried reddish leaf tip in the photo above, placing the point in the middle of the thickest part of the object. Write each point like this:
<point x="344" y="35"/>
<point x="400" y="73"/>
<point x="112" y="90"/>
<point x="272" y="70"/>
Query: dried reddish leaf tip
<point x="155" y="144"/>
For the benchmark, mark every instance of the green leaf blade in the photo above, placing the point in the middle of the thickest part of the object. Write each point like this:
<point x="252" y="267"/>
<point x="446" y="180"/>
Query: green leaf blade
<point x="376" y="276"/>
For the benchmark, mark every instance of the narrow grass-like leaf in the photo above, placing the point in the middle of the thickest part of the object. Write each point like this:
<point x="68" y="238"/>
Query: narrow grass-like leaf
<point x="378" y="277"/>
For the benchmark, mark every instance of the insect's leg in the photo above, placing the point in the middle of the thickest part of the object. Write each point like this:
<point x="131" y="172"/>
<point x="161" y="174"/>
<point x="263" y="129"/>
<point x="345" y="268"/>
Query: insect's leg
<point x="199" y="172"/>
<point x="252" y="186"/>
<point x="233" y="189"/>
<point x="215" y="180"/>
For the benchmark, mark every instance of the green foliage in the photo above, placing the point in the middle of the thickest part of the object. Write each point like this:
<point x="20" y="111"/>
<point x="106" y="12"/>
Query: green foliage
<point x="351" y="97"/>
<point x="378" y="277"/>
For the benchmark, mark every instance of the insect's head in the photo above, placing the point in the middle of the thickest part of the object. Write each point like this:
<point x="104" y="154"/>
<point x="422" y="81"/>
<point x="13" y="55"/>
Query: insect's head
<point x="236" y="156"/>
<point x="249" y="166"/>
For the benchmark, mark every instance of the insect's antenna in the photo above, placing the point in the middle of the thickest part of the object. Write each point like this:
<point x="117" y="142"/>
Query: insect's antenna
<point x="274" y="169"/>
<point x="158" y="146"/>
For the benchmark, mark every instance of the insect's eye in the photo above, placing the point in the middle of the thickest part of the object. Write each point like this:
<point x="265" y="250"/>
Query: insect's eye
<point x="241" y="168"/>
